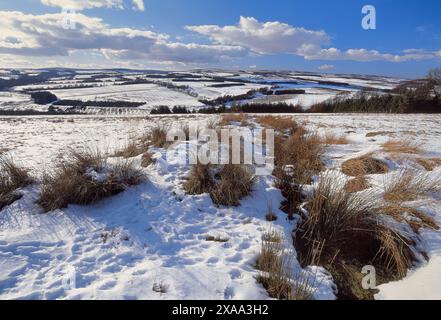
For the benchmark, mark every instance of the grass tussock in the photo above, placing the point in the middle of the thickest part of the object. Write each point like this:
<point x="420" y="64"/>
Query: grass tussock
<point x="158" y="137"/>
<point x="400" y="147"/>
<point x="234" y="182"/>
<point x="357" y="184"/>
<point x="333" y="139"/>
<point x="283" y="124"/>
<point x="343" y="232"/>
<point x="299" y="157"/>
<point x="378" y="133"/>
<point x="12" y="177"/>
<point x="364" y="165"/>
<point x="429" y="164"/>
<point x="200" y="180"/>
<point x="131" y="150"/>
<point x="84" y="178"/>
<point x="230" y="118"/>
<point x="409" y="185"/>
<point x="275" y="264"/>
<point x="297" y="160"/>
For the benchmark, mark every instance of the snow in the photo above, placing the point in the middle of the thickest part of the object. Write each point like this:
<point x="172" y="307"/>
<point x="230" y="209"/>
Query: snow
<point x="121" y="247"/>
<point x="151" y="94"/>
<point x="154" y="235"/>
<point x="422" y="284"/>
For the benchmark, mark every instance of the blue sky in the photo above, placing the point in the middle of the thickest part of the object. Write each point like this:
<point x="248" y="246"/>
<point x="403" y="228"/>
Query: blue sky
<point x="308" y="35"/>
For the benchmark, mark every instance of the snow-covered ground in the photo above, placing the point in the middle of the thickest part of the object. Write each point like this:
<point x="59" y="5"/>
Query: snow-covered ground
<point x="151" y="94"/>
<point x="154" y="235"/>
<point x="107" y="85"/>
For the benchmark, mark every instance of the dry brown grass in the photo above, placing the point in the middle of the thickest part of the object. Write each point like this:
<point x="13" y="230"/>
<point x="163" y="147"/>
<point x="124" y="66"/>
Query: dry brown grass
<point x="229" y="118"/>
<point x="429" y="164"/>
<point x="200" y="180"/>
<point x="279" y="123"/>
<point x="351" y="235"/>
<point x="357" y="184"/>
<point x="234" y="183"/>
<point x="364" y="165"/>
<point x="84" y="178"/>
<point x="333" y="139"/>
<point x="299" y="157"/>
<point x="276" y="266"/>
<point x="416" y="218"/>
<point x="378" y="133"/>
<point x="158" y="137"/>
<point x="12" y="177"/>
<point x="409" y="185"/>
<point x="270" y="215"/>
<point x="400" y="147"/>
<point x="131" y="150"/>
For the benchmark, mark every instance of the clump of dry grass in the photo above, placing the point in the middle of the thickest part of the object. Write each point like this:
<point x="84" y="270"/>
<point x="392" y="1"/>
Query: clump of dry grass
<point x="234" y="183"/>
<point x="429" y="164"/>
<point x="357" y="184"/>
<point x="378" y="133"/>
<point x="229" y="118"/>
<point x="399" y="147"/>
<point x="12" y="177"/>
<point x="275" y="265"/>
<point x="200" y="180"/>
<point x="270" y="215"/>
<point x="351" y="235"/>
<point x="84" y="178"/>
<point x="409" y="185"/>
<point x="364" y="165"/>
<point x="280" y="123"/>
<point x="300" y="157"/>
<point x="333" y="139"/>
<point x="131" y="150"/>
<point x="158" y="137"/>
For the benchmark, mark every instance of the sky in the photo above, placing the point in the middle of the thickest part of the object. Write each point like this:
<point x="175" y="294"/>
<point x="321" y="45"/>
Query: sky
<point x="398" y="38"/>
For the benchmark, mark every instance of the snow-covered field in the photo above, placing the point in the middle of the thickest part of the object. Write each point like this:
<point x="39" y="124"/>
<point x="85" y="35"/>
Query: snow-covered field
<point x="151" y="94"/>
<point x="189" y="89"/>
<point x="154" y="235"/>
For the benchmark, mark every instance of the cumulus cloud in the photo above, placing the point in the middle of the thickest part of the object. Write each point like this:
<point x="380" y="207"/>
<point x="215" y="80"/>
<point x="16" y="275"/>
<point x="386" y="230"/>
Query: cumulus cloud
<point x="264" y="38"/>
<point x="44" y="35"/>
<point x="90" y="4"/>
<point x="281" y="38"/>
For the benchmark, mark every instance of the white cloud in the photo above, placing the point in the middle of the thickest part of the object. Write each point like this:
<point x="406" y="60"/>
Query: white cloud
<point x="281" y="38"/>
<point x="139" y="5"/>
<point x="264" y="38"/>
<point x="90" y="4"/>
<point x="364" y="55"/>
<point x="326" y="67"/>
<point x="44" y="35"/>
<point x="84" y="4"/>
